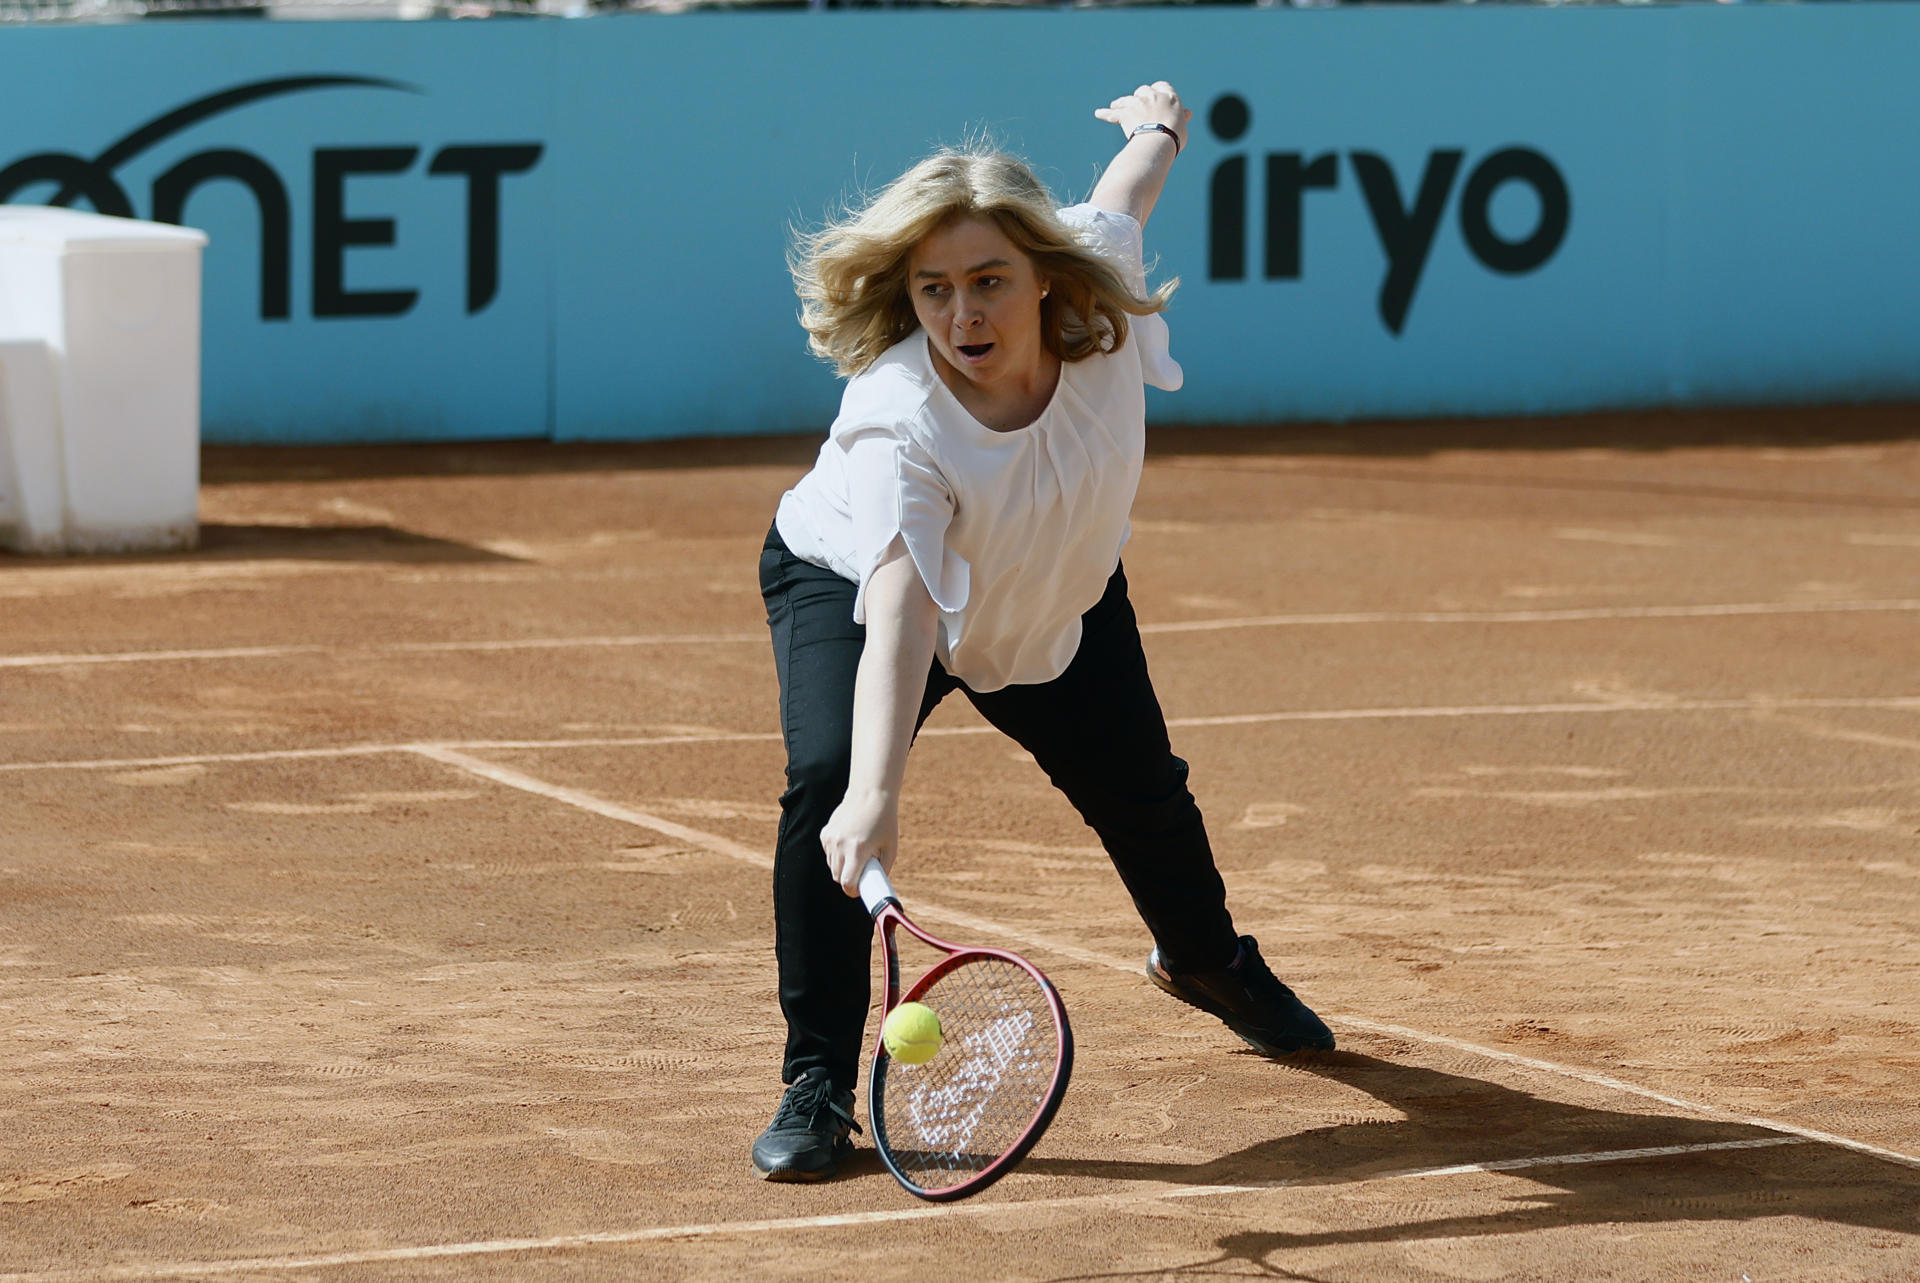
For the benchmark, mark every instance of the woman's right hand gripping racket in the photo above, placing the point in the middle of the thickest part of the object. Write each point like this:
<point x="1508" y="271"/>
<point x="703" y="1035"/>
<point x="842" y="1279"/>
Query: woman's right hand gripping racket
<point x="956" y="1123"/>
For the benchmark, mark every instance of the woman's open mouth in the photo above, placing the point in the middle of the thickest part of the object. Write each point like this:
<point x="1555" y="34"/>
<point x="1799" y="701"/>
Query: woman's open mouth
<point x="973" y="353"/>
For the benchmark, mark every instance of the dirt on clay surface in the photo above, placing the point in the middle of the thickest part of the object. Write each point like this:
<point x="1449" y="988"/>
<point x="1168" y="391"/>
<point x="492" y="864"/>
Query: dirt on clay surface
<point x="384" y="890"/>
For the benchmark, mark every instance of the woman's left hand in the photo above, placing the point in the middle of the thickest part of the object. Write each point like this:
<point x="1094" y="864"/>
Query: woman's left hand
<point x="1156" y="103"/>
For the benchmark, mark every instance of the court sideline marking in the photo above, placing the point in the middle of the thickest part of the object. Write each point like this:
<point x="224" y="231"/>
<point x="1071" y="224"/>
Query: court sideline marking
<point x="1577" y="614"/>
<point x="737" y="851"/>
<point x="923" y="1211"/>
<point x="1763" y="704"/>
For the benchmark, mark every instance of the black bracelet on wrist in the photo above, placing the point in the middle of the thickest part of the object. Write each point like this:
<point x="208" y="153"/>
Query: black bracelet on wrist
<point x="1155" y="127"/>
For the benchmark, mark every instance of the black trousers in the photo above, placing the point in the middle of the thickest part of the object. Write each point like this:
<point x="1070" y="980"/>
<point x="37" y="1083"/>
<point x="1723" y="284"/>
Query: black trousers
<point x="1096" y="730"/>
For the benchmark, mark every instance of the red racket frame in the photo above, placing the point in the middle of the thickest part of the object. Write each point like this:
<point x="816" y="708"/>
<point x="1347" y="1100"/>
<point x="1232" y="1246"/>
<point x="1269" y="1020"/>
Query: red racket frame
<point x="889" y="916"/>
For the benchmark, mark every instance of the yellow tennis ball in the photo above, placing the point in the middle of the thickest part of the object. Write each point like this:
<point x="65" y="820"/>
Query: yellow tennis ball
<point x="911" y="1033"/>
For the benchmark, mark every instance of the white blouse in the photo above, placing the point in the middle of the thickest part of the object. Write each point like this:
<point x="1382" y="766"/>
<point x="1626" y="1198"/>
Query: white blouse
<point x="1015" y="533"/>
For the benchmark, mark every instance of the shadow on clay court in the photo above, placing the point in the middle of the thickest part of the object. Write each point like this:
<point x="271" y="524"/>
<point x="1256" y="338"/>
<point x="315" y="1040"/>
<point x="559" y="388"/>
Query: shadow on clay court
<point x="228" y="542"/>
<point x="234" y="465"/>
<point x="1451" y="1119"/>
<point x="1648" y="431"/>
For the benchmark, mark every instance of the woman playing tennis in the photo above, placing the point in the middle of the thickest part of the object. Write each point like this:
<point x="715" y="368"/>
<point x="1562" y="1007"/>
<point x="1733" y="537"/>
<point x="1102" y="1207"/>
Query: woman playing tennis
<point x="961" y="531"/>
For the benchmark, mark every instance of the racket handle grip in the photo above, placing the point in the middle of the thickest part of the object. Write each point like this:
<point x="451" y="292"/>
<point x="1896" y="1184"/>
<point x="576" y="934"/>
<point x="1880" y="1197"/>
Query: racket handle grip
<point x="875" y="890"/>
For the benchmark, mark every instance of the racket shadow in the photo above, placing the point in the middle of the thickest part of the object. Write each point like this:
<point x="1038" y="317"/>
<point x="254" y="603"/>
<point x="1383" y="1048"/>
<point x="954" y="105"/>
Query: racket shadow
<point x="862" y="1163"/>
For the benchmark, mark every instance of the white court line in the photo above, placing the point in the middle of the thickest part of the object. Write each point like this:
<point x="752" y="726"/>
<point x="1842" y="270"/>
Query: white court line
<point x="1621" y="1085"/>
<point x="1572" y="614"/>
<point x="375" y="750"/>
<point x="1321" y="620"/>
<point x="597" y="805"/>
<point x="568" y="643"/>
<point x="205" y="759"/>
<point x="1598" y="1156"/>
<point x="158" y="656"/>
<point x="795" y="1224"/>
<point x="1754" y="705"/>
<point x="727" y="847"/>
<point x="372" y="652"/>
<point x="1759" y="704"/>
<point x="694" y="837"/>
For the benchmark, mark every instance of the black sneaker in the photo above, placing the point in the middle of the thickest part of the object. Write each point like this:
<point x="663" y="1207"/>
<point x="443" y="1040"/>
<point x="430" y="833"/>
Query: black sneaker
<point x="809" y="1132"/>
<point x="1251" y="999"/>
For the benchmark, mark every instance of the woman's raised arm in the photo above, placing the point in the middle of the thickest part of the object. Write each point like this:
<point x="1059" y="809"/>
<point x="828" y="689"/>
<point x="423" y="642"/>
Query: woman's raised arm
<point x="1133" y="180"/>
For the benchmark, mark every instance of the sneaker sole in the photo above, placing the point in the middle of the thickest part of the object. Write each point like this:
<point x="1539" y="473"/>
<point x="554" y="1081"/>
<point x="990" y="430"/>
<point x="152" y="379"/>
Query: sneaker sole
<point x="1264" y="1048"/>
<point x="805" y="1175"/>
<point x="793" y="1175"/>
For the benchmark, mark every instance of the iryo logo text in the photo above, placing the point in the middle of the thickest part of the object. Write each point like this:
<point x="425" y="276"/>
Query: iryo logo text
<point x="1406" y="230"/>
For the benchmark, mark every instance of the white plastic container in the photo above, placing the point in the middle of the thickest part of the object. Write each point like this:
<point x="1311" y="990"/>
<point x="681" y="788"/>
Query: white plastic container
<point x="32" y="486"/>
<point x="114" y="307"/>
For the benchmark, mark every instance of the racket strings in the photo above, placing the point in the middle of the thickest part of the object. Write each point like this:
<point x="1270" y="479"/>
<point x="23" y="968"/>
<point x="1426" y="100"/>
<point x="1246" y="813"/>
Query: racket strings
<point x="955" y="1115"/>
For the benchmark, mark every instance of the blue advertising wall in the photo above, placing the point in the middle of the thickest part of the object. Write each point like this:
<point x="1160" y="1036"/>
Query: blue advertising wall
<point x="577" y="229"/>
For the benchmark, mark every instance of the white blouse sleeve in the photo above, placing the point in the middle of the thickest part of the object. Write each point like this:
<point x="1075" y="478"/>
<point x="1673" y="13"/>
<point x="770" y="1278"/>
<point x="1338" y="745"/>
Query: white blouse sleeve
<point x="1119" y="239"/>
<point x="894" y="489"/>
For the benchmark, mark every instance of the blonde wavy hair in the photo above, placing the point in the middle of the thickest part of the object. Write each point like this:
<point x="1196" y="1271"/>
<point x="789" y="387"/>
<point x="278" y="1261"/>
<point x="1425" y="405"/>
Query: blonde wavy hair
<point x="851" y="275"/>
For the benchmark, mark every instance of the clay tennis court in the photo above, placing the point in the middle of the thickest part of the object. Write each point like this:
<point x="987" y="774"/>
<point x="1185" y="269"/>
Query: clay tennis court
<point x="385" y="883"/>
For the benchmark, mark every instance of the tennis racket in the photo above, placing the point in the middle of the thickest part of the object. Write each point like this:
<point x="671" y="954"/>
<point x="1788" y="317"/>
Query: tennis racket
<point x="959" y="1122"/>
